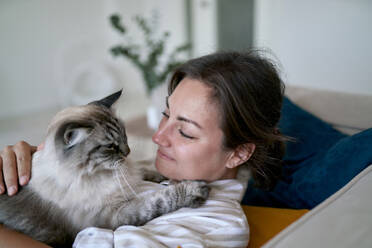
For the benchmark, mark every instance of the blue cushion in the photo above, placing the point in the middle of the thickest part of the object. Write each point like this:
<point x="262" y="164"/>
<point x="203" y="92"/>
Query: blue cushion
<point x="316" y="165"/>
<point x="311" y="133"/>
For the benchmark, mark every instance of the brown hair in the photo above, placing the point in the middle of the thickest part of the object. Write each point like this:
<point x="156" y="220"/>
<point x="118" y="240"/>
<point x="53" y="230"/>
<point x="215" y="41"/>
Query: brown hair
<point x="249" y="91"/>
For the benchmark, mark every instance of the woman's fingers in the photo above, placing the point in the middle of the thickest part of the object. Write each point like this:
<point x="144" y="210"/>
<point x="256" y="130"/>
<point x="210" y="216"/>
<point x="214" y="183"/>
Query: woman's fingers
<point x="39" y="147"/>
<point x="10" y="170"/>
<point x="23" y="152"/>
<point x="15" y="165"/>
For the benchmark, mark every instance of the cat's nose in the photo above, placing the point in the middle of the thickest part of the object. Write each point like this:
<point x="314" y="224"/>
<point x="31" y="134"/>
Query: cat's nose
<point x="125" y="150"/>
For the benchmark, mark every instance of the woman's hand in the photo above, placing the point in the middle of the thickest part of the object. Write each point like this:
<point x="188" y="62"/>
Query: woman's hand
<point x="15" y="166"/>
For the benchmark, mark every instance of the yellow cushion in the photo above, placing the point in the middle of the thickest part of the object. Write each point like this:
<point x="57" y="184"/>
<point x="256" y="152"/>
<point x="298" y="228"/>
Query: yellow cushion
<point x="265" y="223"/>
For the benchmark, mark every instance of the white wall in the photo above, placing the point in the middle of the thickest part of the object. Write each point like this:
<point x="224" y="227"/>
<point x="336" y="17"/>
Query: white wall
<point x="45" y="44"/>
<point x="204" y="27"/>
<point x="31" y="34"/>
<point x="323" y="44"/>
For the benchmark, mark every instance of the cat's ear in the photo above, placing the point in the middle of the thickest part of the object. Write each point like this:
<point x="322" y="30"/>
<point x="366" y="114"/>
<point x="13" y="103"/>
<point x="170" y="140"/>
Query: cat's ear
<point x="72" y="134"/>
<point x="108" y="101"/>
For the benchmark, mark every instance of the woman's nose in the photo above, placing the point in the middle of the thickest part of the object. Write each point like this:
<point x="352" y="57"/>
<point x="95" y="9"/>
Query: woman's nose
<point x="161" y="136"/>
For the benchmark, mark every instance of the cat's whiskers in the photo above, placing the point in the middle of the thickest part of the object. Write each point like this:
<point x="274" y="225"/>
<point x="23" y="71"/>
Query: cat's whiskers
<point x="116" y="175"/>
<point x="122" y="170"/>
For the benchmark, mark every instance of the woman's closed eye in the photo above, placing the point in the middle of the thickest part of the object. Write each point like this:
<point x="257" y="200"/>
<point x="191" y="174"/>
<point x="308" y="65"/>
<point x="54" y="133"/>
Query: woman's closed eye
<point x="165" y="114"/>
<point x="183" y="134"/>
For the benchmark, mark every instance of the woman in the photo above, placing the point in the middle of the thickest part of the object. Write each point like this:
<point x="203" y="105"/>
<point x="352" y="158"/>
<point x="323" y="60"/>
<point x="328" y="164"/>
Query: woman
<point x="221" y="115"/>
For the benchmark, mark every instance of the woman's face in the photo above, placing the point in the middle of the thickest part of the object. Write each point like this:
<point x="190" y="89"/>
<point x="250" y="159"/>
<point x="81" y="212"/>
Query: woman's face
<point x="189" y="138"/>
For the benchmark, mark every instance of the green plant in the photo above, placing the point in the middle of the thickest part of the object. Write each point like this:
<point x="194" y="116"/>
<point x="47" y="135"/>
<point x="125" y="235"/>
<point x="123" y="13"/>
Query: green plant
<point x="146" y="59"/>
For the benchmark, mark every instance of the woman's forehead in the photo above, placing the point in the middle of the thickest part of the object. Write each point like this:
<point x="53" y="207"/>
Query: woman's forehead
<point x="191" y="99"/>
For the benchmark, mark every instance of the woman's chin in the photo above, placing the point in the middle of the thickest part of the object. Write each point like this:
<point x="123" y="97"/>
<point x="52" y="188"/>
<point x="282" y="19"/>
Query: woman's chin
<point x="163" y="167"/>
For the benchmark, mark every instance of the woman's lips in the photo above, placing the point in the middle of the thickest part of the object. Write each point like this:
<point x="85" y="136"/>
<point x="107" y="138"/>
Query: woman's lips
<point x="164" y="156"/>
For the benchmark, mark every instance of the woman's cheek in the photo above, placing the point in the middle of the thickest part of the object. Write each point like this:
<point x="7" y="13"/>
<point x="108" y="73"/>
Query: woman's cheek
<point x="184" y="153"/>
<point x="189" y="156"/>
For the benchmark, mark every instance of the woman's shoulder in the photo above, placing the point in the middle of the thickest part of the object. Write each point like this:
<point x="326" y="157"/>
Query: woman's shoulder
<point x="232" y="189"/>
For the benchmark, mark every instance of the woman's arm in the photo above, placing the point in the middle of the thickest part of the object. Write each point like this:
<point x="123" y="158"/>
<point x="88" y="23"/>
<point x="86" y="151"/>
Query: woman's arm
<point x="10" y="238"/>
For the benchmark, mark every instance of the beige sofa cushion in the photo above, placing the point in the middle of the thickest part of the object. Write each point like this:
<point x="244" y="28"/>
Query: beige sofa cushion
<point x="349" y="113"/>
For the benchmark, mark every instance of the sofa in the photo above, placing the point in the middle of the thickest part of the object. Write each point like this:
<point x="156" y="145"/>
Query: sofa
<point x="344" y="218"/>
<point x="340" y="219"/>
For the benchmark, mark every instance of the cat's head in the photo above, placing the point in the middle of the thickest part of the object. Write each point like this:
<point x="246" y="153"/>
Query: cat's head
<point x="89" y="138"/>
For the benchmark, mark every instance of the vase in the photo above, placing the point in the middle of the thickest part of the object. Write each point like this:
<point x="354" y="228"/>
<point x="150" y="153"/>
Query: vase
<point x="153" y="117"/>
<point x="156" y="105"/>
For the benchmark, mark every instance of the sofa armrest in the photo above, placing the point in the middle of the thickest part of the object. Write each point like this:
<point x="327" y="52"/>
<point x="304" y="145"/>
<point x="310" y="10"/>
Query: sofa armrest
<point x="343" y="220"/>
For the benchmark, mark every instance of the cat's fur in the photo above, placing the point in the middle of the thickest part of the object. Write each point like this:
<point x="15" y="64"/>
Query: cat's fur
<point x="81" y="179"/>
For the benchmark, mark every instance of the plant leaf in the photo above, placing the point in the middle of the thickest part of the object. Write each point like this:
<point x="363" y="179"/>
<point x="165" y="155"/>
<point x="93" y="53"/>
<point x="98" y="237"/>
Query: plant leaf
<point x="116" y="23"/>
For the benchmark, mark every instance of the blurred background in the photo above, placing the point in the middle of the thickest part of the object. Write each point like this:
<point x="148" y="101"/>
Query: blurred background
<point x="56" y="53"/>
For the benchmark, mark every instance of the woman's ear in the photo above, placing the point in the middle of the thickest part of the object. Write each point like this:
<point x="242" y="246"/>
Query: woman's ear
<point x="241" y="154"/>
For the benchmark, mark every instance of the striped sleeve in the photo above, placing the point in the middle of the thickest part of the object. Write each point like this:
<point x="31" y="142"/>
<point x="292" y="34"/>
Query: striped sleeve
<point x="95" y="238"/>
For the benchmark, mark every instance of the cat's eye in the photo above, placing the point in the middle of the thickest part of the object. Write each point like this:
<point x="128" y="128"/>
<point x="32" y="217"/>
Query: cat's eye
<point x="112" y="147"/>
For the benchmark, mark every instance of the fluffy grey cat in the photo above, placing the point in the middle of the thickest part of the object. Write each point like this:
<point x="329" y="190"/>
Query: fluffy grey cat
<point x="81" y="178"/>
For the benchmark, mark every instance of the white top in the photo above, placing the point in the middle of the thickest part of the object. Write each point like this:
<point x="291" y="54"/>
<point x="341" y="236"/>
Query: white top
<point x="220" y="222"/>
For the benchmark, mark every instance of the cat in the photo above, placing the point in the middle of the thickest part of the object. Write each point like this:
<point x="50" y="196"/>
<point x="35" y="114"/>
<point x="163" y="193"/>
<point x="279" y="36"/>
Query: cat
<point x="82" y="178"/>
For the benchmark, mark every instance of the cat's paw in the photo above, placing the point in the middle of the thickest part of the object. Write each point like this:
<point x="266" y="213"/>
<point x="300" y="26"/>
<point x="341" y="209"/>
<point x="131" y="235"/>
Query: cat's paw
<point x="196" y="193"/>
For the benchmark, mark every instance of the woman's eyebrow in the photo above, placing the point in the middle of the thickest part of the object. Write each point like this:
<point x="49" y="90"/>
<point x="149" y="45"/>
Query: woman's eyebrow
<point x="180" y="118"/>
